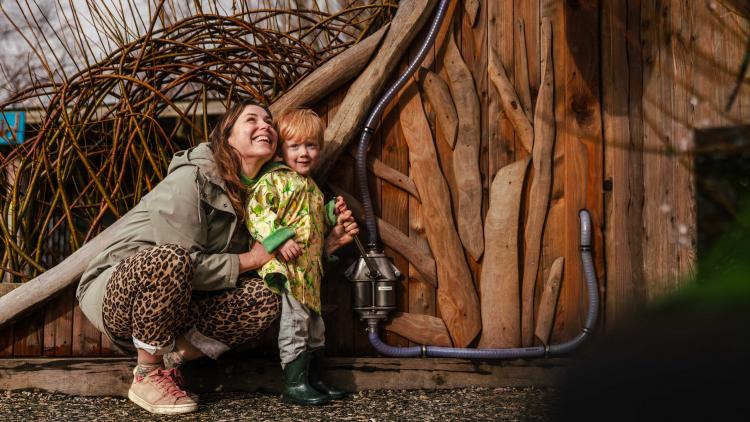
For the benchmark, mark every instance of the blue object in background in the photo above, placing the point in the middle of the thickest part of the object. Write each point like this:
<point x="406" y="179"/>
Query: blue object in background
<point x="12" y="127"/>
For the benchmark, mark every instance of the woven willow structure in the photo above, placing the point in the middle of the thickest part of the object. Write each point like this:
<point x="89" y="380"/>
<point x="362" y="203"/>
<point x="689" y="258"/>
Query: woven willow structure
<point x="111" y="126"/>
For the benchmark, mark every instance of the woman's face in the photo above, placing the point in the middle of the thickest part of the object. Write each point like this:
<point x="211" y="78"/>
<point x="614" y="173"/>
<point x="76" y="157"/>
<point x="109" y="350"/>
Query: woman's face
<point x="253" y="134"/>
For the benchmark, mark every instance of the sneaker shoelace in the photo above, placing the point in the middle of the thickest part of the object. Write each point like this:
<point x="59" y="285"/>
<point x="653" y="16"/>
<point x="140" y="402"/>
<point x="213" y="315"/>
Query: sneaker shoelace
<point x="168" y="380"/>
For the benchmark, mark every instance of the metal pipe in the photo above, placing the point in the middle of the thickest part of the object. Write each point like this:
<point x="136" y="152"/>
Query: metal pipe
<point x="512" y="353"/>
<point x="374" y="116"/>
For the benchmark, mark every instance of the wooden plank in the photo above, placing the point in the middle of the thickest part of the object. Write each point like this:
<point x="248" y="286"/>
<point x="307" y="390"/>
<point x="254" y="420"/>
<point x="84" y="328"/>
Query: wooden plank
<point x="578" y="111"/>
<point x="112" y="376"/>
<point x="421" y="329"/>
<point x="459" y="305"/>
<point x="86" y="338"/>
<point x="394" y="205"/>
<point x="28" y="333"/>
<point x="6" y="341"/>
<point x="500" y="301"/>
<point x="421" y="292"/>
<point x="622" y="87"/>
<point x="669" y="206"/>
<point x="58" y="328"/>
<point x="337" y="291"/>
<point x="501" y="149"/>
<point x="528" y="12"/>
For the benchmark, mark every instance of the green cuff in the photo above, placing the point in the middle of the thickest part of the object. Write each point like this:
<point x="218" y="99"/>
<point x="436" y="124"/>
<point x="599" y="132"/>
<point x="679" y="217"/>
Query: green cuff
<point x="275" y="239"/>
<point x="331" y="213"/>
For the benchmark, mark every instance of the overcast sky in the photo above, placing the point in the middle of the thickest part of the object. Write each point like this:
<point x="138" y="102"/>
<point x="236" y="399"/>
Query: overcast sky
<point x="48" y="27"/>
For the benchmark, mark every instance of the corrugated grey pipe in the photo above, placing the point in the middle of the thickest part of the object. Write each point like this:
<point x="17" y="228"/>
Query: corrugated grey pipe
<point x="374" y="116"/>
<point x="526" y="352"/>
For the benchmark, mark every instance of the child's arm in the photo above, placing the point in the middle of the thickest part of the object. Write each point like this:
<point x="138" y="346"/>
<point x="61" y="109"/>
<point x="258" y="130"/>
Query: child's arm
<point x="262" y="216"/>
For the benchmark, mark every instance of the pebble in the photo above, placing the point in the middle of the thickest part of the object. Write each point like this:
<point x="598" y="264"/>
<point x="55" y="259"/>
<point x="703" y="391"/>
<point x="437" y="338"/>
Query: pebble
<point x="473" y="403"/>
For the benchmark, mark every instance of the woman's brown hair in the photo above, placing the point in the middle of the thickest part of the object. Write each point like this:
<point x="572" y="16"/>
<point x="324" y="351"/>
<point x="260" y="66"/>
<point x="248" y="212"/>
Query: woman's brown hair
<point x="226" y="157"/>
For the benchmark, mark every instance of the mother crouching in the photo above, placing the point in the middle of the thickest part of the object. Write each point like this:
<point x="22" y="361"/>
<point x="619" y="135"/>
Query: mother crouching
<point x="175" y="283"/>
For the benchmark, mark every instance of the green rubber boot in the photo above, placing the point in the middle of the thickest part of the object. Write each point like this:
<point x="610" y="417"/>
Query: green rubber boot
<point x="316" y="376"/>
<point x="296" y="388"/>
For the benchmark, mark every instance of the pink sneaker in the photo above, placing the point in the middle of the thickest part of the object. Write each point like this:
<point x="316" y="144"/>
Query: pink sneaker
<point x="158" y="392"/>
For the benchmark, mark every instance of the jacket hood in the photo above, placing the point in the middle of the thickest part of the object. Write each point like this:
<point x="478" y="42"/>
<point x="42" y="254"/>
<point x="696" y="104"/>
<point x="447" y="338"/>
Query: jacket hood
<point x="200" y="156"/>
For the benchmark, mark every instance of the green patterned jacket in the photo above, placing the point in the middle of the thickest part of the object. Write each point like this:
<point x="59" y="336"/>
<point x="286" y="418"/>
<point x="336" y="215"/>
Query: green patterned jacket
<point x="283" y="204"/>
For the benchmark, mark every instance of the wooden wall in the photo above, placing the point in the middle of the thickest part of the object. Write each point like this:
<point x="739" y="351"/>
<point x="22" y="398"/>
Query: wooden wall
<point x="633" y="79"/>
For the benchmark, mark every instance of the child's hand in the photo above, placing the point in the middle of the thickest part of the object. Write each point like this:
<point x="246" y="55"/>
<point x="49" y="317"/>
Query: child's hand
<point x="340" y="205"/>
<point x="290" y="250"/>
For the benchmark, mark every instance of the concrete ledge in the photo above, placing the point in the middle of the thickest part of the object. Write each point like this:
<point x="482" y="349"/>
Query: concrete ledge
<point x="112" y="376"/>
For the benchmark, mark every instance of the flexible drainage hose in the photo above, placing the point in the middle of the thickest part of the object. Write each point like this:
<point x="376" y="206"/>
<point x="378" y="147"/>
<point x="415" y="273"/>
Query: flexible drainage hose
<point x="526" y="352"/>
<point x="373" y="244"/>
<point x="374" y="116"/>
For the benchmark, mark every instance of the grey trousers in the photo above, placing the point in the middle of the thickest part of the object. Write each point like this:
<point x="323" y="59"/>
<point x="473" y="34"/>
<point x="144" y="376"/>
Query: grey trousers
<point x="301" y="329"/>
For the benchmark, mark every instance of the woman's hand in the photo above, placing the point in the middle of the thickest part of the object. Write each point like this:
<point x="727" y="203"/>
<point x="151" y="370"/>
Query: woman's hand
<point x="254" y="258"/>
<point x="290" y="250"/>
<point x="344" y="231"/>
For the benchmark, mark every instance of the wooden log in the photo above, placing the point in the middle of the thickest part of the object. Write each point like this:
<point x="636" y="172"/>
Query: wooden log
<point x="409" y="19"/>
<point x="439" y="96"/>
<point x="394" y="238"/>
<point x="457" y="298"/>
<point x="472" y="9"/>
<point x="466" y="151"/>
<point x="38" y="290"/>
<point x="331" y="75"/>
<point x="112" y="376"/>
<point x="421" y="329"/>
<point x="499" y="286"/>
<point x="391" y="175"/>
<point x="544" y="142"/>
<point x="509" y="99"/>
<point x="548" y="303"/>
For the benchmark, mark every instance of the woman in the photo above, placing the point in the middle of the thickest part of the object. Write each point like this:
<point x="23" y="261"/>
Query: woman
<point x="187" y="236"/>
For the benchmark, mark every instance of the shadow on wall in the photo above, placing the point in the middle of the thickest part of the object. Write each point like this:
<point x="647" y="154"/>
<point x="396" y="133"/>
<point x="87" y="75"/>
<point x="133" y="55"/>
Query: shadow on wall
<point x="685" y="358"/>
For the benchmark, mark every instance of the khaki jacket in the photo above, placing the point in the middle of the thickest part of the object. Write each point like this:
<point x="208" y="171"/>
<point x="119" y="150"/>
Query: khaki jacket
<point x="189" y="208"/>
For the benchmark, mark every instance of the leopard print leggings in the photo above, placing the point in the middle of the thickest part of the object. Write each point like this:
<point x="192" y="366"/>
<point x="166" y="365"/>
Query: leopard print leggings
<point x="149" y="297"/>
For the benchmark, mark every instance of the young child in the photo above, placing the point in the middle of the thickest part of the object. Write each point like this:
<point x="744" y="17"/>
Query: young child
<point x="286" y="213"/>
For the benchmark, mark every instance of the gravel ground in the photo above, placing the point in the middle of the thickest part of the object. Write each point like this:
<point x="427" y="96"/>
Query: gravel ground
<point x="475" y="403"/>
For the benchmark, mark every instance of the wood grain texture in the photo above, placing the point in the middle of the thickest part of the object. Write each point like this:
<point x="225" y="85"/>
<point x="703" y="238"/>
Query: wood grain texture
<point x="112" y="376"/>
<point x="422" y="292"/>
<point x="471" y="8"/>
<point x="394" y="238"/>
<point x="363" y="92"/>
<point x="669" y="205"/>
<point x="393" y="176"/>
<point x="622" y="87"/>
<point x="58" y="324"/>
<point x="500" y="284"/>
<point x="331" y="75"/>
<point x="501" y="138"/>
<point x="438" y="93"/>
<point x="544" y="141"/>
<point x="459" y="305"/>
<point x="522" y="70"/>
<point x="579" y="130"/>
<point x="548" y="303"/>
<point x="466" y="151"/>
<point x="421" y="329"/>
<point x="394" y="205"/>
<point x="511" y="104"/>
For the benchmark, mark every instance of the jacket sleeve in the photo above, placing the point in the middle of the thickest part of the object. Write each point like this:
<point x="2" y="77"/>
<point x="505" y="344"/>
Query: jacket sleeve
<point x="177" y="217"/>
<point x="263" y="219"/>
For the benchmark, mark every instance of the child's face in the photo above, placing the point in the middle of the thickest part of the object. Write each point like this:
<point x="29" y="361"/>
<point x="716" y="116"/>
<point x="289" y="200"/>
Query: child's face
<point x="301" y="154"/>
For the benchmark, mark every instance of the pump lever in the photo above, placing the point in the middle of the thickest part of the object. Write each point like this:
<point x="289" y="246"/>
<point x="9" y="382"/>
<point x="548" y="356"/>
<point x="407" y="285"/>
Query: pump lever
<point x="374" y="273"/>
